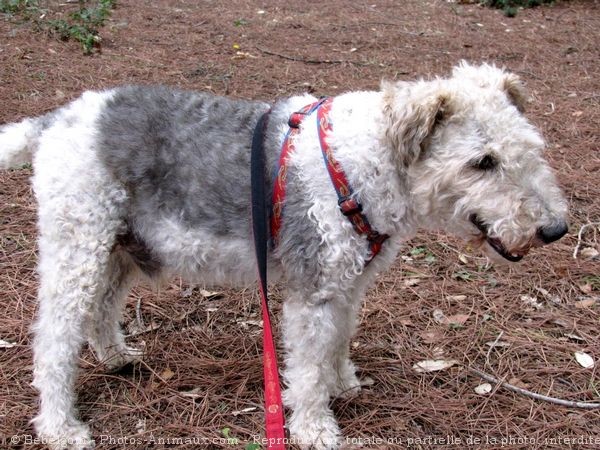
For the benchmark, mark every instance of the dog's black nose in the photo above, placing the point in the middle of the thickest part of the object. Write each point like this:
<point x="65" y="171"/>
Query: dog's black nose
<point x="553" y="232"/>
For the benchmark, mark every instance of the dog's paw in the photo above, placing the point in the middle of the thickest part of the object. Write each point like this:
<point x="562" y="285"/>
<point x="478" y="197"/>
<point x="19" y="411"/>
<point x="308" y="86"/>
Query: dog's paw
<point x="347" y="391"/>
<point x="321" y="433"/>
<point x="347" y="387"/>
<point x="72" y="436"/>
<point x="350" y="388"/>
<point x="347" y="384"/>
<point x="128" y="355"/>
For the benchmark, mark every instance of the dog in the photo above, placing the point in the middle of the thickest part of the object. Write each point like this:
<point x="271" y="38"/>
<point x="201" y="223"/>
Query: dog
<point x="151" y="181"/>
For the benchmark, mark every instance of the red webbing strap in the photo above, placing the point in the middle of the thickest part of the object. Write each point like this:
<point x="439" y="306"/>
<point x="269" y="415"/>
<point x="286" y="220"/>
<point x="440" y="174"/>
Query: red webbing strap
<point x="347" y="202"/>
<point x="274" y="418"/>
<point x="279" y="184"/>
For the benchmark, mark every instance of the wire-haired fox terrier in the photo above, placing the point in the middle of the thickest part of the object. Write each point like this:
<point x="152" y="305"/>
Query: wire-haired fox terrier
<point x="154" y="181"/>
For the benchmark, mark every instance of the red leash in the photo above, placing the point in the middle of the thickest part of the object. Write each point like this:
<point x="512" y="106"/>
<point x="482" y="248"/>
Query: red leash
<point x="274" y="418"/>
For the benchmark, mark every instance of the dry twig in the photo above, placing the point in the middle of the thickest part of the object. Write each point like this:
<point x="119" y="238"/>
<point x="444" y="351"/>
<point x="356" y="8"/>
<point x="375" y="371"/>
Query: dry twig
<point x="138" y="314"/>
<point x="580" y="236"/>
<point x="310" y="60"/>
<point x="534" y="395"/>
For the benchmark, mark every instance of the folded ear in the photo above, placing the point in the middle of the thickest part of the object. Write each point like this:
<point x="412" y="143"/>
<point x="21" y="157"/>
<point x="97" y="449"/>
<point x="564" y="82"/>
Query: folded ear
<point x="413" y="110"/>
<point x="488" y="75"/>
<point x="514" y="88"/>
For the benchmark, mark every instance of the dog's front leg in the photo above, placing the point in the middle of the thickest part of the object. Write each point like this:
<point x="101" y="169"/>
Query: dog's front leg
<point x="314" y="328"/>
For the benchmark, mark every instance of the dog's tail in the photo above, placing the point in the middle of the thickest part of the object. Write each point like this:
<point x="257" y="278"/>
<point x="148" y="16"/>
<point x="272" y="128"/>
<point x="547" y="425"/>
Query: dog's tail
<point x="18" y="141"/>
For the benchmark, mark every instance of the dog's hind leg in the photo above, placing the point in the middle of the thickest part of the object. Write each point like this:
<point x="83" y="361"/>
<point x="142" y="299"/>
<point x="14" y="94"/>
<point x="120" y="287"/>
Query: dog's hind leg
<point x="81" y="211"/>
<point x="104" y="330"/>
<point x="73" y="268"/>
<point x="77" y="235"/>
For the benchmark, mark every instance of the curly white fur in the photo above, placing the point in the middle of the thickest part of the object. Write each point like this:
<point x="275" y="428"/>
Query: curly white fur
<point x="411" y="152"/>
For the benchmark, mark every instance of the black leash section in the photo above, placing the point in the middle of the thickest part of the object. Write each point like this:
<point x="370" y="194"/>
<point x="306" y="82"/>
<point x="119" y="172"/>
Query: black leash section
<point x="259" y="202"/>
<point x="274" y="418"/>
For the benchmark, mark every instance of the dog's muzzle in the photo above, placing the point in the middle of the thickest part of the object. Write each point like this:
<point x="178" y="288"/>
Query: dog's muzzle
<point x="496" y="243"/>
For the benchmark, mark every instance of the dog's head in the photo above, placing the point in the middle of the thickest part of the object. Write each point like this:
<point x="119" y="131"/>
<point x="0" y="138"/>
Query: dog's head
<point x="474" y="163"/>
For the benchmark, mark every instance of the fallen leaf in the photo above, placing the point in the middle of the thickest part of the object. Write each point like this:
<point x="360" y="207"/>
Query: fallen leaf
<point x="411" y="282"/>
<point x="187" y="292"/>
<point x="140" y="427"/>
<point x="584" y="360"/>
<point x="439" y="316"/>
<point x="483" y="389"/>
<point x="456" y="298"/>
<point x="463" y="258"/>
<point x="548" y="296"/>
<point x="531" y="301"/>
<point x="250" y="323"/>
<point x="210" y="294"/>
<point x="457" y="319"/>
<point x="431" y="337"/>
<point x="587" y="303"/>
<point x="6" y="344"/>
<point x="167" y="374"/>
<point x="586" y="288"/>
<point x="575" y="337"/>
<point x="406" y="322"/>
<point x="562" y="322"/>
<point x="438" y="352"/>
<point x="589" y="252"/>
<point x="518" y="383"/>
<point x="433" y="365"/>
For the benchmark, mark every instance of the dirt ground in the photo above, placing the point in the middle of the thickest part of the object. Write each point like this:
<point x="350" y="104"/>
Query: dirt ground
<point x="202" y="374"/>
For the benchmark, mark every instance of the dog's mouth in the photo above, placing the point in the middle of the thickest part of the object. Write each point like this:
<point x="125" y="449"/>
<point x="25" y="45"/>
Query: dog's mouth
<point x="496" y="243"/>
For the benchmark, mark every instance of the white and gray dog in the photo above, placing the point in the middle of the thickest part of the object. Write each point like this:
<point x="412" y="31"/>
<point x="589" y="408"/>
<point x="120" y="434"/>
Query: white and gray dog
<point x="154" y="181"/>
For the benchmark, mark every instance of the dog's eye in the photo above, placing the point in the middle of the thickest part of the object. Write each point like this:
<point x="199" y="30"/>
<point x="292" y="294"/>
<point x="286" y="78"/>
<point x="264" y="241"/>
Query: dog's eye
<point x="488" y="162"/>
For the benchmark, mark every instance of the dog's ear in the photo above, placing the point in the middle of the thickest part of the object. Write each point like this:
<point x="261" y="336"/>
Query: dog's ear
<point x="514" y="88"/>
<point x="488" y="75"/>
<point x="413" y="111"/>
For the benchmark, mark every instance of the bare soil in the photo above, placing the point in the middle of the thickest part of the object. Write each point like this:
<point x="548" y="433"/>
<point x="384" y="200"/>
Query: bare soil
<point x="203" y="370"/>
